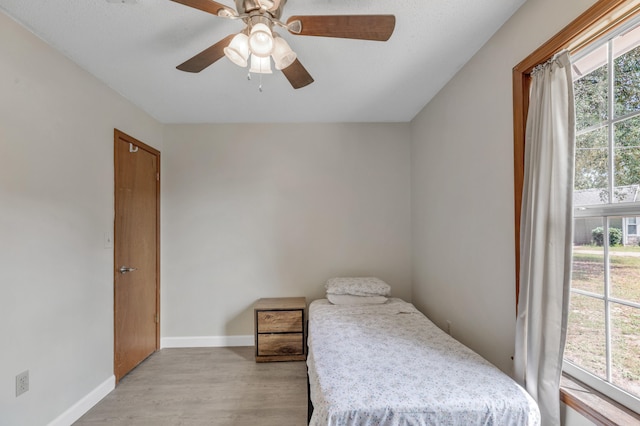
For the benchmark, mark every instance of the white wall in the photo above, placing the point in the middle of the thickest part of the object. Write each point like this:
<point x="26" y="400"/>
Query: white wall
<point x="253" y="211"/>
<point x="56" y="203"/>
<point x="462" y="188"/>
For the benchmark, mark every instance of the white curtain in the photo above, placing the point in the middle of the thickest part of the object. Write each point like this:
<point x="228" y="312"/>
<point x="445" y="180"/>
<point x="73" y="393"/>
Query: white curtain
<point x="546" y="229"/>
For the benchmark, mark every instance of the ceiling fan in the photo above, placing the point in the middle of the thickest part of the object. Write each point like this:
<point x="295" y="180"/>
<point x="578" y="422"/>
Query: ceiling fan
<point x="258" y="43"/>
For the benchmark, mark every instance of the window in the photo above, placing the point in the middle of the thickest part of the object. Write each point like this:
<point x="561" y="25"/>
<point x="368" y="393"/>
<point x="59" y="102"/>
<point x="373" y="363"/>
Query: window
<point x="603" y="17"/>
<point x="632" y="227"/>
<point x="603" y="336"/>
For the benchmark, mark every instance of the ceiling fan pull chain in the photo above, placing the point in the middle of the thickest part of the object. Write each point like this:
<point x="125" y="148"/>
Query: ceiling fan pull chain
<point x="260" y="82"/>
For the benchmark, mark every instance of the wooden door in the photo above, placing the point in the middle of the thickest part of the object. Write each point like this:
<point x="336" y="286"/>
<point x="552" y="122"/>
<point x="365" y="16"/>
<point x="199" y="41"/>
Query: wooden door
<point x="136" y="254"/>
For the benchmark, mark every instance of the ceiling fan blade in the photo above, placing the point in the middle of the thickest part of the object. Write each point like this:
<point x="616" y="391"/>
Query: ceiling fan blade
<point x="206" y="57"/>
<point x="362" y="27"/>
<point x="297" y="75"/>
<point x="209" y="6"/>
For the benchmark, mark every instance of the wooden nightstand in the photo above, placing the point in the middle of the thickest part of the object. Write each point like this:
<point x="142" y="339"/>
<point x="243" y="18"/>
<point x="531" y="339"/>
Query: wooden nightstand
<point x="279" y="328"/>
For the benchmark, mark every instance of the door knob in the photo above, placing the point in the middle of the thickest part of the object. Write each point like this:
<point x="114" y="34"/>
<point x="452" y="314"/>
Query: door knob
<point x="125" y="269"/>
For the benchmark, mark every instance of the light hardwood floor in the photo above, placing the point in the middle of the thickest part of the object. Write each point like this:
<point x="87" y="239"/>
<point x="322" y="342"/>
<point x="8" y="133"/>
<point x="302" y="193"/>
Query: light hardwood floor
<point x="206" y="386"/>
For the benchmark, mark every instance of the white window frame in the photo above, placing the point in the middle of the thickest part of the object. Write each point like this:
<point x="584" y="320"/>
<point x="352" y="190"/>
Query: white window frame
<point x="607" y="211"/>
<point x="605" y="386"/>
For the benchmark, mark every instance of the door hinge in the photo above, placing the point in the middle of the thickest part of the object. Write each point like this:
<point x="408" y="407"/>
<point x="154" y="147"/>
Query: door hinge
<point x="157" y="318"/>
<point x="158" y="177"/>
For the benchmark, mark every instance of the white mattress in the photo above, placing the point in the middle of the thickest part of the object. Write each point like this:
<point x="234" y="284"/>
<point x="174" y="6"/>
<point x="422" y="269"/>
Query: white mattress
<point x="389" y="365"/>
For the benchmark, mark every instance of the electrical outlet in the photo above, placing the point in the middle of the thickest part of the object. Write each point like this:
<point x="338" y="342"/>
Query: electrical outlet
<point x="22" y="383"/>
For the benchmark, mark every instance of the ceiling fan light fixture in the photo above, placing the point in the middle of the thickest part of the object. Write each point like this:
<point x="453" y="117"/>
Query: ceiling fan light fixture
<point x="257" y="43"/>
<point x="260" y="65"/>
<point x="238" y="50"/>
<point x="282" y="54"/>
<point x="261" y="40"/>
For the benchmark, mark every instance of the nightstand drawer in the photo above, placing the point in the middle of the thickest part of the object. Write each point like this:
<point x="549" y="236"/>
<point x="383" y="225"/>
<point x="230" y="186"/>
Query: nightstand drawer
<point x="279" y="321"/>
<point x="280" y="344"/>
<point x="280" y="329"/>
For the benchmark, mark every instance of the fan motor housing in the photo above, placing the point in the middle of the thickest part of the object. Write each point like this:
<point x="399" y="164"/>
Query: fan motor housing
<point x="272" y="7"/>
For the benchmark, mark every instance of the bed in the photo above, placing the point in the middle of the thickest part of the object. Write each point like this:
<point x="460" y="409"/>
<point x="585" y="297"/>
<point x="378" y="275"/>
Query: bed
<point x="388" y="364"/>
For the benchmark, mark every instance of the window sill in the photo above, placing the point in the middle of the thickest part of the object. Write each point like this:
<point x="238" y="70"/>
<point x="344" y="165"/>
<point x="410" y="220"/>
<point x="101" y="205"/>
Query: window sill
<point x="593" y="405"/>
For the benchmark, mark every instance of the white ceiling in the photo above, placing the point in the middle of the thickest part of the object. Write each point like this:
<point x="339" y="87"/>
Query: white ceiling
<point x="134" y="46"/>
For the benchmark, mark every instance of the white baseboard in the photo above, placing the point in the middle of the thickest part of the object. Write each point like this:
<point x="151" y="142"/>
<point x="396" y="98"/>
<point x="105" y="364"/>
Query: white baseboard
<point x="85" y="404"/>
<point x="206" y="341"/>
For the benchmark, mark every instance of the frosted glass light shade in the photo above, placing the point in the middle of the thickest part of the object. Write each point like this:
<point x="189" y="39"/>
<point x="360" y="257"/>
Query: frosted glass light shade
<point x="282" y="54"/>
<point x="260" y="65"/>
<point x="238" y="50"/>
<point x="261" y="40"/>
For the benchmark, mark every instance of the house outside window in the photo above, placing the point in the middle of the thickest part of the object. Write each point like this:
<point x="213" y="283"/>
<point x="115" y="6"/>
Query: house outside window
<point x="632" y="226"/>
<point x="603" y="336"/>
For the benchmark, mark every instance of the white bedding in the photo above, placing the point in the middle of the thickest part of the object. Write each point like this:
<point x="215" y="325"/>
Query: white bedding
<point x="389" y="365"/>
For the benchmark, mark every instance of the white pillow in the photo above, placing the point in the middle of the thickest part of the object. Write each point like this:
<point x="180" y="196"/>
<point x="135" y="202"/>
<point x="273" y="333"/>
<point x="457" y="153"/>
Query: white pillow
<point x="358" y="286"/>
<point x="347" y="299"/>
